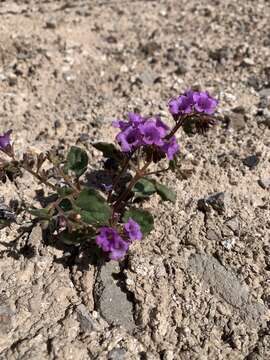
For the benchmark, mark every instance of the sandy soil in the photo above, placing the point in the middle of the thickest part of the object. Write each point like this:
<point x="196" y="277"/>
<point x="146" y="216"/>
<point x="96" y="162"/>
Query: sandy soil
<point x="198" y="286"/>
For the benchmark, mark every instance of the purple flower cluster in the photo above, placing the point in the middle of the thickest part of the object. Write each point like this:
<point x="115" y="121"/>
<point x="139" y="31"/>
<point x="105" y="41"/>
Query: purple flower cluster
<point x="5" y="140"/>
<point x="110" y="241"/>
<point x="139" y="131"/>
<point x="192" y="101"/>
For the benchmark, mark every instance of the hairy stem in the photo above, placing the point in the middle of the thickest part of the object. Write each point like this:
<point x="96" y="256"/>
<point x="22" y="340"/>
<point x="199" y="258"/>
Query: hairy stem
<point x="175" y="129"/>
<point x="118" y="177"/>
<point x="67" y="180"/>
<point x="38" y="177"/>
<point x="139" y="174"/>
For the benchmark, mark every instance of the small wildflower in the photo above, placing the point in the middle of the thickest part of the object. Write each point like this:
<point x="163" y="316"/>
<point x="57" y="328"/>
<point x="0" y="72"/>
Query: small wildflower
<point x="129" y="139"/>
<point x="192" y="102"/>
<point x="140" y="131"/>
<point x="204" y="103"/>
<point x="182" y="105"/>
<point x="174" y="106"/>
<point x="135" y="119"/>
<point x="171" y="148"/>
<point x="5" y="140"/>
<point x="133" y="230"/>
<point x="151" y="133"/>
<point x="111" y="242"/>
<point x="123" y="125"/>
<point x="186" y="102"/>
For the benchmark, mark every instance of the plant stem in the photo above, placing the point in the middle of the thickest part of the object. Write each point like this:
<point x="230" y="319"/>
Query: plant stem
<point x="140" y="173"/>
<point x="67" y="180"/>
<point x="38" y="177"/>
<point x="118" y="177"/>
<point x="174" y="130"/>
<point x="33" y="173"/>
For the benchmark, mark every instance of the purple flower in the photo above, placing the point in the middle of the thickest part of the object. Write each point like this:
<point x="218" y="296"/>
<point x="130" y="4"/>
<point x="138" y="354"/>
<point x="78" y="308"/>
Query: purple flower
<point x="123" y="125"/>
<point x="110" y="241"/>
<point x="152" y="133"/>
<point x="192" y="101"/>
<point x="174" y="106"/>
<point x="186" y="102"/>
<point x="140" y="131"/>
<point x="182" y="105"/>
<point x="160" y="124"/>
<point x="133" y="230"/>
<point x="204" y="103"/>
<point x="135" y="119"/>
<point x="171" y="148"/>
<point x="129" y="139"/>
<point x="5" y="140"/>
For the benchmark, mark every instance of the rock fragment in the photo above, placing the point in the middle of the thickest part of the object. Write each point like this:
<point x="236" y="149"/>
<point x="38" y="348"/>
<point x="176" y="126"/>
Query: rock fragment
<point x="233" y="224"/>
<point x="251" y="161"/>
<point x="225" y="284"/>
<point x="237" y="121"/>
<point x="219" y="202"/>
<point x="264" y="183"/>
<point x="51" y="23"/>
<point x="149" y="77"/>
<point x="87" y="323"/>
<point x="117" y="354"/>
<point x="112" y="301"/>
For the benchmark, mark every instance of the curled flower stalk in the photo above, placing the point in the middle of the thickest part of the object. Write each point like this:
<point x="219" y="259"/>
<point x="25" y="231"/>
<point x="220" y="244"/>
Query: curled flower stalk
<point x="109" y="214"/>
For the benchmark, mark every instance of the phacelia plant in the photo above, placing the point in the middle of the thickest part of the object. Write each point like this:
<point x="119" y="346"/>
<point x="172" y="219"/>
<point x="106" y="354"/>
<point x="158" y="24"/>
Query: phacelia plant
<point x="109" y="213"/>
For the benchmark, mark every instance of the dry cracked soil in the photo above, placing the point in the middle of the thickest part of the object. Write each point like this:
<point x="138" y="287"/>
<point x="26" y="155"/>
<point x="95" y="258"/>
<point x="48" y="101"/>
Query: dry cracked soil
<point x="198" y="287"/>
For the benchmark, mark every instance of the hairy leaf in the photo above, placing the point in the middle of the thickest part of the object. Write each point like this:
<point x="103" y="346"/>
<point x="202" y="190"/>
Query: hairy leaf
<point x="165" y="193"/>
<point x="77" y="160"/>
<point x="143" y="188"/>
<point x="92" y="207"/>
<point x="109" y="150"/>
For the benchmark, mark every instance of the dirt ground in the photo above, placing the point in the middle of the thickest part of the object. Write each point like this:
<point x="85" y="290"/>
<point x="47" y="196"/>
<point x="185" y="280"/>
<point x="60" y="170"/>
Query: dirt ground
<point x="198" y="287"/>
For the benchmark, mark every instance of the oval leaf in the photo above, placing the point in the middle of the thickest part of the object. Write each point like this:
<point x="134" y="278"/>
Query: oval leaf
<point x="143" y="188"/>
<point x="108" y="150"/>
<point x="165" y="193"/>
<point x="77" y="160"/>
<point x="93" y="207"/>
<point x="142" y="217"/>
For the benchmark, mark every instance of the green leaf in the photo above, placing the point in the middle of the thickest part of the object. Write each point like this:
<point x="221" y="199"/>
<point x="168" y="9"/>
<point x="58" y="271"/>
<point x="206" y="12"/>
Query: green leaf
<point x="142" y="217"/>
<point x="92" y="207"/>
<point x="43" y="214"/>
<point x="77" y="160"/>
<point x="73" y="238"/>
<point x="109" y="150"/>
<point x="165" y="193"/>
<point x="143" y="188"/>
